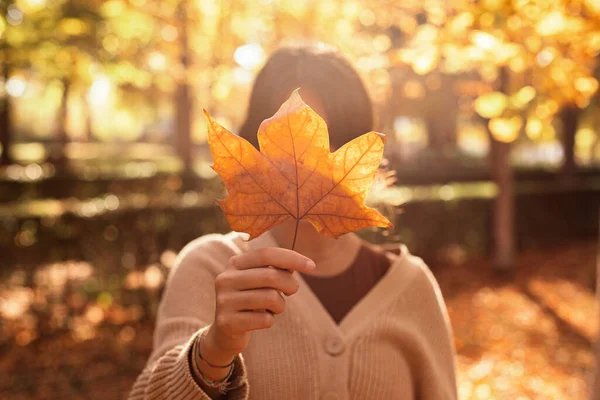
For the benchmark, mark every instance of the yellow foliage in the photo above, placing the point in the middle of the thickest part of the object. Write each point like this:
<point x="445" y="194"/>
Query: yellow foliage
<point x="586" y="85"/>
<point x="523" y="96"/>
<point x="73" y="27"/>
<point x="533" y="128"/>
<point x="229" y="41"/>
<point x="113" y="8"/>
<point x="553" y="24"/>
<point x="491" y="105"/>
<point x="593" y="6"/>
<point x="493" y="5"/>
<point x="484" y="40"/>
<point x="426" y="61"/>
<point x="2" y="26"/>
<point x="30" y="6"/>
<point x="506" y="129"/>
<point x="585" y="137"/>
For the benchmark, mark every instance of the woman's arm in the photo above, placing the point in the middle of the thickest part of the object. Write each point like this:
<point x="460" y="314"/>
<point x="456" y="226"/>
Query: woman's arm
<point x="434" y="369"/>
<point x="222" y="298"/>
<point x="186" y="310"/>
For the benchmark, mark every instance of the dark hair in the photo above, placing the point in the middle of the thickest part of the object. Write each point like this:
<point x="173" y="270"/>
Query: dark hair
<point x="328" y="75"/>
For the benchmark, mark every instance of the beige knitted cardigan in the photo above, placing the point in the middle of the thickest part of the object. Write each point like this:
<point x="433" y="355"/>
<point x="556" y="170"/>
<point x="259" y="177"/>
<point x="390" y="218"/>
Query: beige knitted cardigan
<point x="396" y="343"/>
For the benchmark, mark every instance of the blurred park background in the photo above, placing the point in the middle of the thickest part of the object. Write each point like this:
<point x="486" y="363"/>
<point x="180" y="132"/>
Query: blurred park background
<point x="492" y="114"/>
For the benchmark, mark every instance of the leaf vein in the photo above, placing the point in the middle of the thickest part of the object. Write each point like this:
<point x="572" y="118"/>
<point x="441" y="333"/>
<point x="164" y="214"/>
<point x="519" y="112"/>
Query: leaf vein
<point x="312" y="137"/>
<point x="341" y="180"/>
<point x="250" y="175"/>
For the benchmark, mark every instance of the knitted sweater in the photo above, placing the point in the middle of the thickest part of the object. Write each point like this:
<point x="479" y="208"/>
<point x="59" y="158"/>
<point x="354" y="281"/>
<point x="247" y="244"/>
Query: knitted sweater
<point x="395" y="343"/>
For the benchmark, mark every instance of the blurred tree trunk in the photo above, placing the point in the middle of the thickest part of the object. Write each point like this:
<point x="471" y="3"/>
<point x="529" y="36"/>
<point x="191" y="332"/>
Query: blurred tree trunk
<point x="59" y="157"/>
<point x="570" y="117"/>
<point x="441" y="128"/>
<point x="596" y="384"/>
<point x="5" y="125"/>
<point x="385" y="123"/>
<point x="504" y="251"/>
<point x="183" y="103"/>
<point x="89" y="127"/>
<point x="503" y="207"/>
<point x="435" y="139"/>
<point x="442" y="110"/>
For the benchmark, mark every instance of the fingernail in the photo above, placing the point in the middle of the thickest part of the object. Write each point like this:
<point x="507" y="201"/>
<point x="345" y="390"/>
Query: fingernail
<point x="310" y="264"/>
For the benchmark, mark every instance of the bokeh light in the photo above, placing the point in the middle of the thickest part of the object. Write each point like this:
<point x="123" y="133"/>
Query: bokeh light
<point x="249" y="56"/>
<point x="16" y="86"/>
<point x="100" y="91"/>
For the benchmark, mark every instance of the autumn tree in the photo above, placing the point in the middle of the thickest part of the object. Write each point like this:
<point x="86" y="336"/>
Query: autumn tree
<point x="52" y="41"/>
<point x="8" y="60"/>
<point x="537" y="58"/>
<point x="596" y="382"/>
<point x="180" y="46"/>
<point x="78" y="37"/>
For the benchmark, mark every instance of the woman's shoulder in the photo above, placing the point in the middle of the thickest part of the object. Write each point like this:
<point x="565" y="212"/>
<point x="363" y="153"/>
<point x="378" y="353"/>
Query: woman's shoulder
<point x="416" y="273"/>
<point x="232" y="242"/>
<point x="211" y="251"/>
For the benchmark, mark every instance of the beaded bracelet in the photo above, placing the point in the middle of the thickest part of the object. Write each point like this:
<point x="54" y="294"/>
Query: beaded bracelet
<point x="222" y="385"/>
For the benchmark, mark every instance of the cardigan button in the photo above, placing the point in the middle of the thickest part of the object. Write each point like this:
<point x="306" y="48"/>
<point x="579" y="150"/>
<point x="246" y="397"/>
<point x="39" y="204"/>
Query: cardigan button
<point x="334" y="346"/>
<point x="330" y="396"/>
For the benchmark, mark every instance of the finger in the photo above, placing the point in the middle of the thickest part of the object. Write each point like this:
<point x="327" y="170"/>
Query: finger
<point x="245" y="321"/>
<point x="254" y="300"/>
<point x="256" y="278"/>
<point x="265" y="277"/>
<point x="273" y="256"/>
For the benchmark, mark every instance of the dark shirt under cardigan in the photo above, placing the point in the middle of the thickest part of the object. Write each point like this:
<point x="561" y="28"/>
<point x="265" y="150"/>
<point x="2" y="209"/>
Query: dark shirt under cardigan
<point x="339" y="293"/>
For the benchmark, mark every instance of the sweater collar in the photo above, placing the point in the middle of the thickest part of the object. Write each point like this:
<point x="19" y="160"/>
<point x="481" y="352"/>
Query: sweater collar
<point x="385" y="291"/>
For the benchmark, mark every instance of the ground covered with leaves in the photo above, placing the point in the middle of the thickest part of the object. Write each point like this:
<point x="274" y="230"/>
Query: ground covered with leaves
<point x="521" y="336"/>
<point x="529" y="335"/>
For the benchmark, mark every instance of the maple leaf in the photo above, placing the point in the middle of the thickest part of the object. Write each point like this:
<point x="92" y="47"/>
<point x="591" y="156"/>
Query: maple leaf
<point x="294" y="176"/>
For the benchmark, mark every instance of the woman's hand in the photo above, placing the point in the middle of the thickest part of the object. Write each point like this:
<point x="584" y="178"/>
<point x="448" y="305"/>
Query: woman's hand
<point x="248" y="296"/>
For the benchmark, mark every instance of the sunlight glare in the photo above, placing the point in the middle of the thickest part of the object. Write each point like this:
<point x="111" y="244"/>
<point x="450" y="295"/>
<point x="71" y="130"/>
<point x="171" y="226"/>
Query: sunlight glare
<point x="249" y="56"/>
<point x="31" y="5"/>
<point x="157" y="61"/>
<point x="100" y="91"/>
<point x="484" y="40"/>
<point x="544" y="58"/>
<point x="16" y="86"/>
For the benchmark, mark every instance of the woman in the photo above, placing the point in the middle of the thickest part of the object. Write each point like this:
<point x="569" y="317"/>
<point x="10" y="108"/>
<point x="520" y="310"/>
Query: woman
<point x="349" y="322"/>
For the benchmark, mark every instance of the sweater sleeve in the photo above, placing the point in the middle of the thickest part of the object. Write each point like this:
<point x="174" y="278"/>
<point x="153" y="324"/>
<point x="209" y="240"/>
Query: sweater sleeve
<point x="186" y="309"/>
<point x="435" y="369"/>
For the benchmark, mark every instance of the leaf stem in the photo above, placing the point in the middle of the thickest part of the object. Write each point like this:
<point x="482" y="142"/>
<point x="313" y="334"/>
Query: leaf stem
<point x="295" y="233"/>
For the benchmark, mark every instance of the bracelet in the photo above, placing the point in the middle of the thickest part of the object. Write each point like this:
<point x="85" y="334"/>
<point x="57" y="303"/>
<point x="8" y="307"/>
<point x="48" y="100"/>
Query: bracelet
<point x="222" y="385"/>
<point x="207" y="363"/>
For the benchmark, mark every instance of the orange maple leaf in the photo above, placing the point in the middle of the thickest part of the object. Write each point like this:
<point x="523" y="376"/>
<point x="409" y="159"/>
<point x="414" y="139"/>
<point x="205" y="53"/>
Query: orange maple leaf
<point x="294" y="176"/>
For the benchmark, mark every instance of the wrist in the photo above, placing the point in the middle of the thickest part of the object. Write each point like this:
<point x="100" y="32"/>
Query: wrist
<point x="212" y="352"/>
<point x="214" y="381"/>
